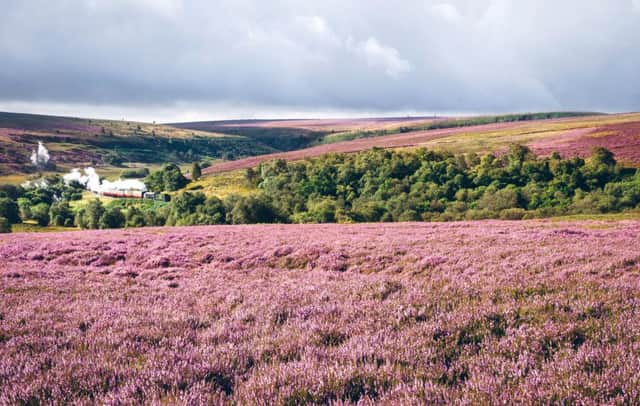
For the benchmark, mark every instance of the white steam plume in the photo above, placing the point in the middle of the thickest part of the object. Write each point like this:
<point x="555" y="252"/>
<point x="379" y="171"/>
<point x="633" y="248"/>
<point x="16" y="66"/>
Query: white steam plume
<point x="40" y="157"/>
<point x="35" y="184"/>
<point x="91" y="180"/>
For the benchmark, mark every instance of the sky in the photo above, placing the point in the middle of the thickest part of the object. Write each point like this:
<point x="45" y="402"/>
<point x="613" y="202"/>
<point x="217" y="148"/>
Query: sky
<point x="187" y="60"/>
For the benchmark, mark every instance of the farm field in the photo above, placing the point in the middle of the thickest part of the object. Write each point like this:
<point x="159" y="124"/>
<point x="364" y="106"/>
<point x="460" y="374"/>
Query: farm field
<point x="469" y="312"/>
<point x="568" y="136"/>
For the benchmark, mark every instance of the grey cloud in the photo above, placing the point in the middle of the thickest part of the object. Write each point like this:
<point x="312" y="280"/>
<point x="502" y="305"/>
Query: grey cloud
<point x="374" y="56"/>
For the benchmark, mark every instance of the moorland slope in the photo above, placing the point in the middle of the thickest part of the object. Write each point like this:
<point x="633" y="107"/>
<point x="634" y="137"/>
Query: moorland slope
<point x="571" y="136"/>
<point x="77" y="141"/>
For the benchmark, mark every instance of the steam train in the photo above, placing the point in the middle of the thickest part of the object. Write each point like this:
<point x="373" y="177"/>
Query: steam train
<point x="135" y="194"/>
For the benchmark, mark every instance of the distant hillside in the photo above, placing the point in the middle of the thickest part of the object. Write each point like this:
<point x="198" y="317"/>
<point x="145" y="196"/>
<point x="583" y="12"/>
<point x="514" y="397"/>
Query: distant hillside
<point x="574" y="135"/>
<point x="289" y="135"/>
<point x="74" y="141"/>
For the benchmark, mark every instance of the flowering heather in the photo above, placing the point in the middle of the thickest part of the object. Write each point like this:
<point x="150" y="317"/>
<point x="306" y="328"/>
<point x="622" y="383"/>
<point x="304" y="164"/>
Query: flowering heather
<point x="472" y="313"/>
<point x="570" y="136"/>
<point x="621" y="139"/>
<point x="410" y="139"/>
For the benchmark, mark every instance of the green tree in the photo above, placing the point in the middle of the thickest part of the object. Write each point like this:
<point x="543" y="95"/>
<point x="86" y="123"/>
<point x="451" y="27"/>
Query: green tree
<point x="24" y="208"/>
<point x="196" y="171"/>
<point x="155" y="218"/>
<point x="601" y="169"/>
<point x="134" y="217"/>
<point x="253" y="209"/>
<point x="40" y="213"/>
<point x="498" y="200"/>
<point x="89" y="216"/>
<point x="61" y="214"/>
<point x="134" y="173"/>
<point x="592" y="202"/>
<point x="602" y="156"/>
<point x="212" y="211"/>
<point x="252" y="177"/>
<point x="154" y="182"/>
<point x="5" y="225"/>
<point x="172" y="178"/>
<point x="186" y="203"/>
<point x="322" y="211"/>
<point x="40" y="195"/>
<point x="112" y="218"/>
<point x="169" y="178"/>
<point x="9" y="210"/>
<point x="11" y="191"/>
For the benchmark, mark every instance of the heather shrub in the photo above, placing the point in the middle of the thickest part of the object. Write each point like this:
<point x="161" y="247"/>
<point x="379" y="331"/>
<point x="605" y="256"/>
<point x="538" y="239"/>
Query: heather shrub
<point x="331" y="338"/>
<point x="387" y="288"/>
<point x="487" y="312"/>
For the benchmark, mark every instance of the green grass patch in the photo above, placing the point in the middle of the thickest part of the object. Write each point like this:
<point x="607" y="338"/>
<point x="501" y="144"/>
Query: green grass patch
<point x="31" y="227"/>
<point x="223" y="184"/>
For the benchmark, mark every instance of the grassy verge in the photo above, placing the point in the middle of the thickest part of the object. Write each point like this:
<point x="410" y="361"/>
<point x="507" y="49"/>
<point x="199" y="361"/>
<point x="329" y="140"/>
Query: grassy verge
<point x="31" y="227"/>
<point x="222" y="184"/>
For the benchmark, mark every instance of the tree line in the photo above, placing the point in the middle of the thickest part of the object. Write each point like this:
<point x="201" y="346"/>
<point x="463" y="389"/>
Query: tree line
<point x="394" y="185"/>
<point x="370" y="186"/>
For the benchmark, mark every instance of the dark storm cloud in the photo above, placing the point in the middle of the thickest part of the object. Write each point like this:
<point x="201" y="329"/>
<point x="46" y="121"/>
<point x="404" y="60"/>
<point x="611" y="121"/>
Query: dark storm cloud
<point x="374" y="55"/>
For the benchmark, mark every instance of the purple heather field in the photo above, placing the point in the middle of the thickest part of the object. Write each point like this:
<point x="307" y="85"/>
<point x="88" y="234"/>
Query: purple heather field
<point x="488" y="312"/>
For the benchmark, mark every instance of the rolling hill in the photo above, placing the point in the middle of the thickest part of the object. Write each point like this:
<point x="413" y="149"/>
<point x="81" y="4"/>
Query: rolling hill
<point x="569" y="136"/>
<point x="76" y="141"/>
<point x="287" y="135"/>
<point x="245" y="143"/>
